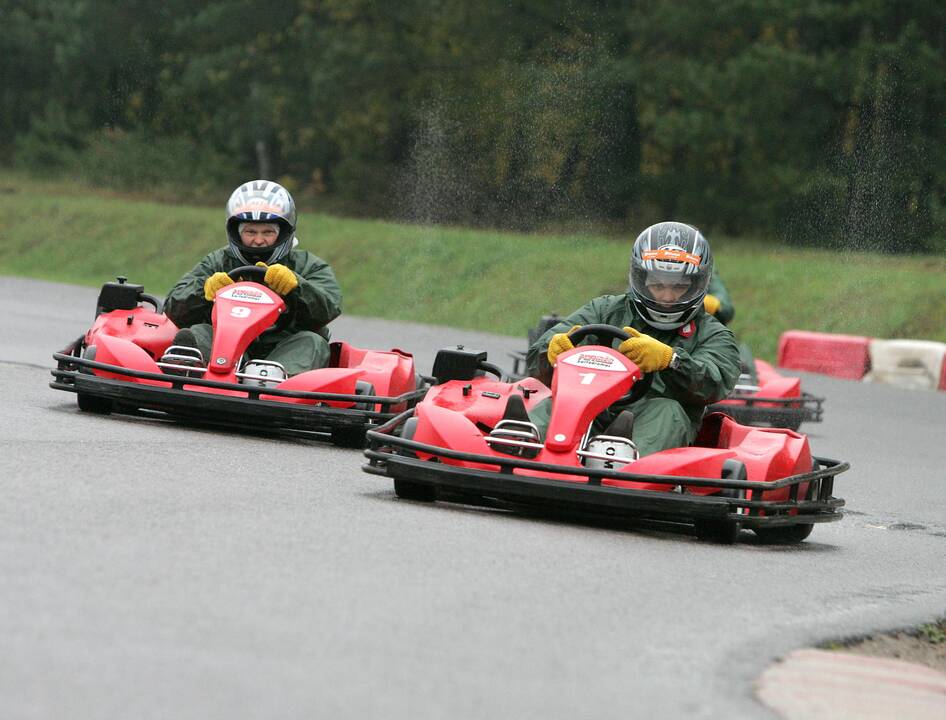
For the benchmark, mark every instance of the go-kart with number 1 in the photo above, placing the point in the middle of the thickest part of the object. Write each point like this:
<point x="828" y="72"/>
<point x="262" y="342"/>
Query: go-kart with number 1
<point x="471" y="440"/>
<point x="125" y="363"/>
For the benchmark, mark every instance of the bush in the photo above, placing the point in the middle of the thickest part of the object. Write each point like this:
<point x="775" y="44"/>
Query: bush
<point x="173" y="167"/>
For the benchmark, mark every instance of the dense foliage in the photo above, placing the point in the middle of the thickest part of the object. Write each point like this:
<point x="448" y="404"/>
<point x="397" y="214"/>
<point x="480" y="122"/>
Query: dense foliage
<point x="821" y="121"/>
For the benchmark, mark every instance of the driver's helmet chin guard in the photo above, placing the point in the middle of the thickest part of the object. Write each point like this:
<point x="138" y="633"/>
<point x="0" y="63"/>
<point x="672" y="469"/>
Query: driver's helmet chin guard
<point x="267" y="202"/>
<point x="670" y="255"/>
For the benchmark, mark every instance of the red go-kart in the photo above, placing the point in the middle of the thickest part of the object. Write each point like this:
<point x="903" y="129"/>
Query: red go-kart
<point x="762" y="396"/>
<point x="125" y="363"/>
<point x="471" y="440"/>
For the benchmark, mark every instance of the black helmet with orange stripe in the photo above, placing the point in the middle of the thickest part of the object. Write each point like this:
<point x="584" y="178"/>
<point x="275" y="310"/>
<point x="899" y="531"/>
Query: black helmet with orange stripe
<point x="671" y="268"/>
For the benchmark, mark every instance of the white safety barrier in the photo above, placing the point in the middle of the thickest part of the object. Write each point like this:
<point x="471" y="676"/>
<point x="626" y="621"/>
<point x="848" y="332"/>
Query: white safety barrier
<point x="907" y="363"/>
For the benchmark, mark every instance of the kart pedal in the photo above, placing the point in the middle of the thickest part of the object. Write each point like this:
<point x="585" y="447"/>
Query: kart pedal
<point x="515" y="437"/>
<point x="182" y="360"/>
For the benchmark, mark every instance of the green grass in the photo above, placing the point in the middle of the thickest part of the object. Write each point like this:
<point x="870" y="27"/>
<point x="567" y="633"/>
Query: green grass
<point x="493" y="281"/>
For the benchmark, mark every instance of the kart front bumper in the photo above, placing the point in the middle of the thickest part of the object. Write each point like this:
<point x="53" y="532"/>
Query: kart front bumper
<point x="74" y="374"/>
<point x="392" y="456"/>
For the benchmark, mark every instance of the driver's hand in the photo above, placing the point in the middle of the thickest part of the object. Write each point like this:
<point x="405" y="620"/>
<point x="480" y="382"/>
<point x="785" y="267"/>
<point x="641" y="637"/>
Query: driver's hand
<point x="280" y="278"/>
<point x="214" y="284"/>
<point x="560" y="343"/>
<point x="648" y="354"/>
<point x="711" y="304"/>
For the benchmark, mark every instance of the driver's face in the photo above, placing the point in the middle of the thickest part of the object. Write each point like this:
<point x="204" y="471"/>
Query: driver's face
<point x="259" y="235"/>
<point x="666" y="293"/>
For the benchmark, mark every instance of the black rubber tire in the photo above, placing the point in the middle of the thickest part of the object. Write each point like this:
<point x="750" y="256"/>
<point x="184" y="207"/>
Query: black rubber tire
<point x="348" y="437"/>
<point x="791" y="534"/>
<point x="785" y="535"/>
<point x="407" y="433"/>
<point x="723" y="532"/>
<point x="92" y="404"/>
<point x="408" y="490"/>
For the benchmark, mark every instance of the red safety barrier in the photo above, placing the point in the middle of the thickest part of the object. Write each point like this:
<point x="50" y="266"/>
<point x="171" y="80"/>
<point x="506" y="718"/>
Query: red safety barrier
<point x="844" y="356"/>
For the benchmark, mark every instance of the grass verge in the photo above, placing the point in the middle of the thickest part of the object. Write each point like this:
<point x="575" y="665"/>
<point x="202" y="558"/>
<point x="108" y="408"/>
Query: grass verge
<point x="483" y="280"/>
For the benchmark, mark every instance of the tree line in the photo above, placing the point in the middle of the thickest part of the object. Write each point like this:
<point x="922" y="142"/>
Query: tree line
<point x="817" y="121"/>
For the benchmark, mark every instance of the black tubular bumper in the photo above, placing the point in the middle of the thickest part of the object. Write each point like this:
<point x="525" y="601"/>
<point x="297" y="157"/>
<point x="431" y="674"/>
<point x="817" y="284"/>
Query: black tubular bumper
<point x="74" y="374"/>
<point x="391" y="456"/>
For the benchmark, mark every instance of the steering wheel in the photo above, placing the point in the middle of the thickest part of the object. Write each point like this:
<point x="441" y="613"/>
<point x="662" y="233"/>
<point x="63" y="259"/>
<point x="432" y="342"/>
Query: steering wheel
<point x="256" y="274"/>
<point x="640" y="388"/>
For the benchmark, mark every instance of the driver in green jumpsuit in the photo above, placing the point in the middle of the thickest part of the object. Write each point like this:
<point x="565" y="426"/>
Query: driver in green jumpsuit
<point x="261" y="222"/>
<point x="693" y="355"/>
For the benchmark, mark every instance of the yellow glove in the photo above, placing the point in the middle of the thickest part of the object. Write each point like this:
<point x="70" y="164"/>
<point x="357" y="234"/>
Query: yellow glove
<point x="648" y="354"/>
<point x="559" y="344"/>
<point x="215" y="283"/>
<point x="280" y="278"/>
<point x="711" y="304"/>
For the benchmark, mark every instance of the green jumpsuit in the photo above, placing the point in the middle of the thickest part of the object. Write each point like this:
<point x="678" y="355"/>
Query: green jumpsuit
<point x="299" y="345"/>
<point x="669" y="415"/>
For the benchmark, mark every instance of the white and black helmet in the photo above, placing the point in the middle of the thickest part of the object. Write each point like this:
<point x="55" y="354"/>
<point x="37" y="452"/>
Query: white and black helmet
<point x="670" y="253"/>
<point x="261" y="201"/>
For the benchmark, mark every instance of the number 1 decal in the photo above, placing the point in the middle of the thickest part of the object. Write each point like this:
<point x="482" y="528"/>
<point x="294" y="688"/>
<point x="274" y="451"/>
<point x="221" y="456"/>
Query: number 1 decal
<point x="587" y="378"/>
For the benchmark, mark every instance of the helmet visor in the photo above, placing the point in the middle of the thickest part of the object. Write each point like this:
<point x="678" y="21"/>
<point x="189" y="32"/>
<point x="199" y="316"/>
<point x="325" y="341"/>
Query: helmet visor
<point x="668" y="290"/>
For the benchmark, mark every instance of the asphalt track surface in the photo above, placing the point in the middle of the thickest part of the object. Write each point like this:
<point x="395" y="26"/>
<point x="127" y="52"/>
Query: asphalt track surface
<point x="158" y="571"/>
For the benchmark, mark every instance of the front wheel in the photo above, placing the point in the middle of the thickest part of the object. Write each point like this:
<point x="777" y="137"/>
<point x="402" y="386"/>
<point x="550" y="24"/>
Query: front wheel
<point x="786" y="535"/>
<point x="791" y="534"/>
<point x="92" y="404"/>
<point x="408" y="490"/>
<point x="725" y="532"/>
<point x="348" y="437"/>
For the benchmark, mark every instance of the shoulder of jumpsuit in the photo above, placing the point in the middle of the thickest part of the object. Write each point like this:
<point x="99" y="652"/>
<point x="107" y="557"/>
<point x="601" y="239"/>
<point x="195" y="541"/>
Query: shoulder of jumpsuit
<point x="707" y="326"/>
<point x="303" y="261"/>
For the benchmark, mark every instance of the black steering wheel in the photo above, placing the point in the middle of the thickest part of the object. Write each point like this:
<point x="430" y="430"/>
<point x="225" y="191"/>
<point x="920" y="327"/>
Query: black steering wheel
<point x="256" y="274"/>
<point x="640" y="388"/>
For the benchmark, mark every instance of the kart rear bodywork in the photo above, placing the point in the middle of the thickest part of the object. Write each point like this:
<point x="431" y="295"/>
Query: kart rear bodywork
<point x="732" y="477"/>
<point x="117" y="366"/>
